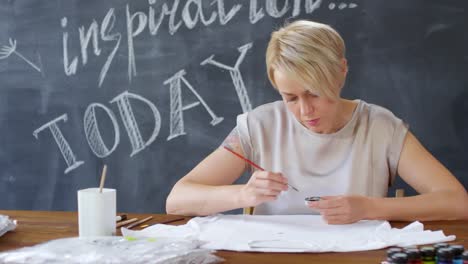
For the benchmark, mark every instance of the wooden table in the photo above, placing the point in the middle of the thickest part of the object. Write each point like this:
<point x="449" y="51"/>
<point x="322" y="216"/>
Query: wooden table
<point x="39" y="226"/>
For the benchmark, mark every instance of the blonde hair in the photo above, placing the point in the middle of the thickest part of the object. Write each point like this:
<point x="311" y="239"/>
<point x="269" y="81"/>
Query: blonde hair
<point x="310" y="52"/>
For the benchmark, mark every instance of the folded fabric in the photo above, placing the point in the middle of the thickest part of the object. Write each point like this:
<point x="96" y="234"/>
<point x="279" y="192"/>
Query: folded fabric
<point x="6" y="224"/>
<point x="292" y="233"/>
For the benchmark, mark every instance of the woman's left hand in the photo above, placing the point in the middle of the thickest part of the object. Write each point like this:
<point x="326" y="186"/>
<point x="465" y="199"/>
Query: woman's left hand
<point x="337" y="210"/>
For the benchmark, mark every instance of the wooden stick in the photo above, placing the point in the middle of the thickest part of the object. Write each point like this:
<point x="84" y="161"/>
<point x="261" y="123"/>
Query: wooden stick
<point x="126" y="222"/>
<point x="103" y="178"/>
<point x="139" y="222"/>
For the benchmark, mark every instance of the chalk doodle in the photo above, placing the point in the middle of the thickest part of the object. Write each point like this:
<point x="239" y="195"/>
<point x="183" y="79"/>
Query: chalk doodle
<point x="7" y="50"/>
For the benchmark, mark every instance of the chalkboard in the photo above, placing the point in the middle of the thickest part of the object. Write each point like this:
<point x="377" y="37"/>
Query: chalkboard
<point x="151" y="87"/>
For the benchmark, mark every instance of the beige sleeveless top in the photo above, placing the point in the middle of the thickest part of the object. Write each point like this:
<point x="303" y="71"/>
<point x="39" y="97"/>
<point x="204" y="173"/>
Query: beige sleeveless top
<point x="361" y="158"/>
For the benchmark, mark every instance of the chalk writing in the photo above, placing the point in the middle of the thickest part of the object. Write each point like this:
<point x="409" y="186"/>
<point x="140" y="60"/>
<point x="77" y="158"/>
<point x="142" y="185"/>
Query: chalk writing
<point x="93" y="135"/>
<point x="131" y="126"/>
<point x="236" y="76"/>
<point x="62" y="143"/>
<point x="176" y="118"/>
<point x="341" y="6"/>
<point x="90" y="122"/>
<point x="94" y="37"/>
<point x="193" y="12"/>
<point x="86" y="36"/>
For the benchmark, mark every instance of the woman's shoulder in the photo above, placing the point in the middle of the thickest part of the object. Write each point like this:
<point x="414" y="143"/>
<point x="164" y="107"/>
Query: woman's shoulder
<point x="380" y="116"/>
<point x="377" y="112"/>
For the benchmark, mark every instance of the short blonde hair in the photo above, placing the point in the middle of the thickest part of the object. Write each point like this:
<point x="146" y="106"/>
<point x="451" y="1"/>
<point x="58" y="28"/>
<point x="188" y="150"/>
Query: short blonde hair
<point x="311" y="53"/>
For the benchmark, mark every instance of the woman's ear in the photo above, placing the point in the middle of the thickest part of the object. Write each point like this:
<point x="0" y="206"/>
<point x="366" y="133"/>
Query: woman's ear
<point x="345" y="66"/>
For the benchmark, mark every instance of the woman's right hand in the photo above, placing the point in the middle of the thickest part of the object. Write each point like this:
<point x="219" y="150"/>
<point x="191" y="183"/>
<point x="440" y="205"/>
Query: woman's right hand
<point x="263" y="186"/>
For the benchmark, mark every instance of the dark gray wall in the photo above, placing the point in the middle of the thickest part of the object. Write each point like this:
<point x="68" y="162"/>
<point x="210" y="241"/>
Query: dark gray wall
<point x="67" y="108"/>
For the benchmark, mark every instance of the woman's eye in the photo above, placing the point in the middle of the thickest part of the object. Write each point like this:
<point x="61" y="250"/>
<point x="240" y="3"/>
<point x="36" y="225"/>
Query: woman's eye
<point x="291" y="99"/>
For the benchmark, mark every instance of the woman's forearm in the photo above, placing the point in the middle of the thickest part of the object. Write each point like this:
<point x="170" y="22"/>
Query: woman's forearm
<point x="440" y="205"/>
<point x="189" y="198"/>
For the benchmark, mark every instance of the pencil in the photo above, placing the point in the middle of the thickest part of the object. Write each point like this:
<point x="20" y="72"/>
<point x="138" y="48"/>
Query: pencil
<point x="122" y="223"/>
<point x="139" y="222"/>
<point x="253" y="164"/>
<point x="170" y="221"/>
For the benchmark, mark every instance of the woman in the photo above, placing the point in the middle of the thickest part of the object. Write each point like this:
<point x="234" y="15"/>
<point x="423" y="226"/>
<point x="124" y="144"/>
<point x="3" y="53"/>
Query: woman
<point x="346" y="151"/>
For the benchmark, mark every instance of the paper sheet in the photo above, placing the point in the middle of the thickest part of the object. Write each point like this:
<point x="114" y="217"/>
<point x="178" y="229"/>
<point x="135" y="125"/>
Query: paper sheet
<point x="293" y="233"/>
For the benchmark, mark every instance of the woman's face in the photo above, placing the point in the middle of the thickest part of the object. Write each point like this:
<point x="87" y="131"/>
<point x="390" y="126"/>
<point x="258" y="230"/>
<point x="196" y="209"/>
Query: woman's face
<point x="319" y="114"/>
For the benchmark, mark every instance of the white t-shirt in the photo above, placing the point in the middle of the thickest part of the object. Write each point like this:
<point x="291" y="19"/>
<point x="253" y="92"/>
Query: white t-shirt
<point x="361" y="158"/>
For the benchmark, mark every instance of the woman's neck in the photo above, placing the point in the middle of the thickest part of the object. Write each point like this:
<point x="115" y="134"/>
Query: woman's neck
<point x="344" y="113"/>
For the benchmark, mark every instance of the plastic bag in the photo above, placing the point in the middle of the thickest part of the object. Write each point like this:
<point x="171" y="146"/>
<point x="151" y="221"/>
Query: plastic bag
<point x="6" y="224"/>
<point x="113" y="250"/>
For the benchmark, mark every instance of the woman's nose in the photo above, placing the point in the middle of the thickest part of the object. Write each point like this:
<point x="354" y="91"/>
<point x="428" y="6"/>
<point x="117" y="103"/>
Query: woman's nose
<point x="306" y="107"/>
